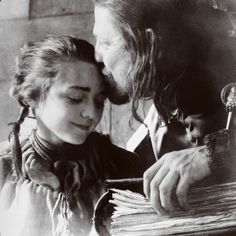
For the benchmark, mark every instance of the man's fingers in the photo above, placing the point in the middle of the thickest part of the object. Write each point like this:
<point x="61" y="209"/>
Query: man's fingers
<point x="149" y="175"/>
<point x="182" y="191"/>
<point x="155" y="190"/>
<point x="166" y="188"/>
<point x="155" y="201"/>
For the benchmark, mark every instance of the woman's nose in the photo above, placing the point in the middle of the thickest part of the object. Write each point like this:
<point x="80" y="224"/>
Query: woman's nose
<point x="88" y="112"/>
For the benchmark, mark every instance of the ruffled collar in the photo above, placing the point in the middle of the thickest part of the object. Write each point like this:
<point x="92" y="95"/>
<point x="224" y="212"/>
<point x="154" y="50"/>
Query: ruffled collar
<point x="52" y="153"/>
<point x="65" y="164"/>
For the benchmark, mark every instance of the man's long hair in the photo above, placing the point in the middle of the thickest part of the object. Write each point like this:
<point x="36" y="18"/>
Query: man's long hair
<point x="181" y="52"/>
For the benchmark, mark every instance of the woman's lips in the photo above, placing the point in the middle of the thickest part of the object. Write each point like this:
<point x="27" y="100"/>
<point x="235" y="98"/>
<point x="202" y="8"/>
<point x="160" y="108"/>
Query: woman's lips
<point x="82" y="126"/>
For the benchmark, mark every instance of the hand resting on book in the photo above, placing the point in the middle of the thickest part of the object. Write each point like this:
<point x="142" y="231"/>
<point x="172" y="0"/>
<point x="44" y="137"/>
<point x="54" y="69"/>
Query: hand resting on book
<point x="175" y="171"/>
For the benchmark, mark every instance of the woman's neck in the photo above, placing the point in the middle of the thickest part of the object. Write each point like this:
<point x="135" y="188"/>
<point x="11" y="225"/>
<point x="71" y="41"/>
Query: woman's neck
<point x="54" y="152"/>
<point x="48" y="138"/>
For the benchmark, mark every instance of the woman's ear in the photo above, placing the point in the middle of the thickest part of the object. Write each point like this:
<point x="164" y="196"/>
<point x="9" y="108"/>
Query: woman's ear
<point x="35" y="108"/>
<point x="31" y="103"/>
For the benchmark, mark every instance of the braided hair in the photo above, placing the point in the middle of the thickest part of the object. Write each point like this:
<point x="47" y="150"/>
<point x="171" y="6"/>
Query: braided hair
<point x="37" y="68"/>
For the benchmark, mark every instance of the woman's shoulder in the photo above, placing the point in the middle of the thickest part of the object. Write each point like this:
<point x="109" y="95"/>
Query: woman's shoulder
<point x="5" y="147"/>
<point x="5" y="161"/>
<point x="104" y="144"/>
<point x="5" y="153"/>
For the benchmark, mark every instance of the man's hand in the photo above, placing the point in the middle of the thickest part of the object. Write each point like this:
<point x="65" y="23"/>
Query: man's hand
<point x="177" y="171"/>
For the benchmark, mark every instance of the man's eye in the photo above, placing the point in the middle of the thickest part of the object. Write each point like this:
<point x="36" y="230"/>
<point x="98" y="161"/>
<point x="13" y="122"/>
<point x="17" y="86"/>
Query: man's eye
<point x="105" y="43"/>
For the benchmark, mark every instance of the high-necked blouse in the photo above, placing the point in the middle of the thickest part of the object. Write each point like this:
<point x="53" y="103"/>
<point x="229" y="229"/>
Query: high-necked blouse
<point x="29" y="209"/>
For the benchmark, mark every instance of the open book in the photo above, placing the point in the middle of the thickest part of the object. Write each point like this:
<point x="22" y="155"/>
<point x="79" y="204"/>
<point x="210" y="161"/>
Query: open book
<point x="212" y="211"/>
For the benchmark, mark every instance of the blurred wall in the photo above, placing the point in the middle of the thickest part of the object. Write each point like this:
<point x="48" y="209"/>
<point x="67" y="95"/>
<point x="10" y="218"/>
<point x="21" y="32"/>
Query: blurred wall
<point x="25" y="20"/>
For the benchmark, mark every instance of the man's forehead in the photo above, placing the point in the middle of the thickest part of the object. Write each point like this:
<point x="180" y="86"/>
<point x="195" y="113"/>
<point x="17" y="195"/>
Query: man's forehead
<point x="103" y="20"/>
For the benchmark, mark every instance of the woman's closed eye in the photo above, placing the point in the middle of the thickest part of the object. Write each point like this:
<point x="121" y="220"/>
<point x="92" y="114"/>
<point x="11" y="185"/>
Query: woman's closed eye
<point x="74" y="99"/>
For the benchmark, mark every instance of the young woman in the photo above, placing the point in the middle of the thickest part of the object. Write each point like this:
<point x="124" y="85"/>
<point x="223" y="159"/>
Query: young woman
<point x="50" y="182"/>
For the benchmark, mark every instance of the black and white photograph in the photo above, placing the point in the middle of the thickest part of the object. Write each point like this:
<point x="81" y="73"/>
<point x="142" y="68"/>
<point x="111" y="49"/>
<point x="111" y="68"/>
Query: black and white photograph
<point x="117" y="117"/>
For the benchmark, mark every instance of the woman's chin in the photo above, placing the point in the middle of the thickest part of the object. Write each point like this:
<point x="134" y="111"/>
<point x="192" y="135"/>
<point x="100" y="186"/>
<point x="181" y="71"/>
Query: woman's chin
<point x="76" y="140"/>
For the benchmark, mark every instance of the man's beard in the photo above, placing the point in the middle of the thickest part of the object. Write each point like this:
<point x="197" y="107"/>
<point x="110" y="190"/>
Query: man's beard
<point x="116" y="94"/>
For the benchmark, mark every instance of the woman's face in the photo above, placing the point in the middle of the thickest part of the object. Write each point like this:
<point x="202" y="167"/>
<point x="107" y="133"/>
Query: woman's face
<point x="73" y="105"/>
<point x="110" y="47"/>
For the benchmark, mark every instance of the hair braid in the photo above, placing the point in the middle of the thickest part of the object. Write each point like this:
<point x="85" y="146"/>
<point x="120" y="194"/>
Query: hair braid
<point x="15" y="142"/>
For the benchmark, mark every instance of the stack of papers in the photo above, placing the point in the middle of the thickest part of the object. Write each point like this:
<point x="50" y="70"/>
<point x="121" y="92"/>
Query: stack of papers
<point x="212" y="210"/>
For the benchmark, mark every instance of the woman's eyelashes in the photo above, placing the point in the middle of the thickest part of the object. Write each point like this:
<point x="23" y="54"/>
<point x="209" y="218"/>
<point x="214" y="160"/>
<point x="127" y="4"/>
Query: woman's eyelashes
<point x="98" y="101"/>
<point x="75" y="100"/>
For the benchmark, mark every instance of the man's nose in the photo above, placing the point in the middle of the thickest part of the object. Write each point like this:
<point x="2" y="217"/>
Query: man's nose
<point x="98" y="55"/>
